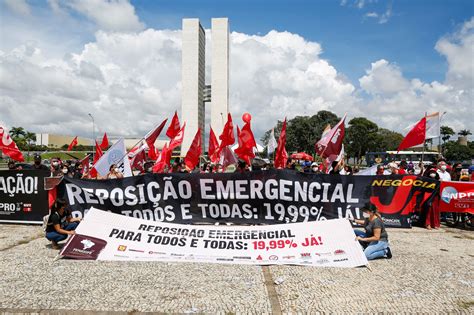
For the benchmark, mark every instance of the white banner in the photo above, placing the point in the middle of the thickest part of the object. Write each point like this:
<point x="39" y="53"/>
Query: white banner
<point x="116" y="154"/>
<point x="107" y="236"/>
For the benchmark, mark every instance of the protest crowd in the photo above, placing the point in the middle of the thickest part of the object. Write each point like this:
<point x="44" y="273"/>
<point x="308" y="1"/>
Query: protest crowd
<point x="144" y="158"/>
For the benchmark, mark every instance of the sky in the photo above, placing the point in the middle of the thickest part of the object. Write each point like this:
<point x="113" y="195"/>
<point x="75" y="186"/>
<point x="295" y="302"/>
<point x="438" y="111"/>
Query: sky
<point x="389" y="61"/>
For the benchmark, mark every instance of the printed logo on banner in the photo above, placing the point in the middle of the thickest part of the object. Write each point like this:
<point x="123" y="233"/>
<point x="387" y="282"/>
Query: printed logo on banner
<point x="242" y="257"/>
<point x="259" y="257"/>
<point x="156" y="253"/>
<point x="83" y="247"/>
<point x="342" y="259"/>
<point x="448" y="193"/>
<point x="136" y="250"/>
<point x="322" y="261"/>
<point x="305" y="255"/>
<point x="339" y="252"/>
<point x="289" y="257"/>
<point x="323" y="254"/>
<point x="122" y="248"/>
<point x="273" y="257"/>
<point x="27" y="207"/>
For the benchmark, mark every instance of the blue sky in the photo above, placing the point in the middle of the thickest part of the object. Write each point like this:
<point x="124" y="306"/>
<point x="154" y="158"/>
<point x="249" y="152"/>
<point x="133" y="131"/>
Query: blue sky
<point x="390" y="61"/>
<point x="350" y="40"/>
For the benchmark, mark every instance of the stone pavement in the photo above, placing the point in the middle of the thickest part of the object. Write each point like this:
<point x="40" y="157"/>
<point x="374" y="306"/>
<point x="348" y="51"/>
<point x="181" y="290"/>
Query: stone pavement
<point x="430" y="272"/>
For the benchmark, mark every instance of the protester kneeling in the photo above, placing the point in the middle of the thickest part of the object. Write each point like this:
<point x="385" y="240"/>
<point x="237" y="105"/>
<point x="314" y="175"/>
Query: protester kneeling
<point x="375" y="238"/>
<point x="60" y="223"/>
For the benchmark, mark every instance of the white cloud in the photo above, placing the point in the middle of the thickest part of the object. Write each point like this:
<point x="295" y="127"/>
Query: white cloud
<point x="371" y="15"/>
<point x="20" y="7"/>
<point x="109" y="15"/>
<point x="385" y="17"/>
<point x="383" y="78"/>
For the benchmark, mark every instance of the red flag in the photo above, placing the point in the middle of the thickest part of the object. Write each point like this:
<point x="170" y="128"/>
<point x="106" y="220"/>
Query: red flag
<point x="138" y="159"/>
<point x="72" y="144"/>
<point x="227" y="157"/>
<point x="227" y="136"/>
<point x="105" y="142"/>
<point x="416" y="136"/>
<point x="176" y="141"/>
<point x="174" y="127"/>
<point x="213" y="147"/>
<point x="151" y="137"/>
<point x="163" y="160"/>
<point x="194" y="152"/>
<point x="98" y="154"/>
<point x="246" y="143"/>
<point x="9" y="147"/>
<point x="85" y="164"/>
<point x="331" y="141"/>
<point x="281" y="156"/>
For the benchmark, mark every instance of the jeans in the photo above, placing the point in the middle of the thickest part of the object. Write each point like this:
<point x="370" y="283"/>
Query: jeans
<point x="58" y="237"/>
<point x="376" y="249"/>
<point x="360" y="233"/>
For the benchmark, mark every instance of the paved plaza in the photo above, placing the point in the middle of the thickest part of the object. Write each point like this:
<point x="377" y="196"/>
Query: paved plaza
<point x="430" y="272"/>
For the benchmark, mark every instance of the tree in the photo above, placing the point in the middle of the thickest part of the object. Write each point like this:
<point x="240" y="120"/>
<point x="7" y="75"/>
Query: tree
<point x="17" y="132"/>
<point x="464" y="133"/>
<point x="456" y="152"/>
<point x="303" y="132"/>
<point x="387" y="140"/>
<point x="361" y="137"/>
<point x="446" y="133"/>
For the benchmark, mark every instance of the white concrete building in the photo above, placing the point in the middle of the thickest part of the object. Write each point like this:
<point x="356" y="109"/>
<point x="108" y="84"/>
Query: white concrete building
<point x="219" y="74"/>
<point x="193" y="80"/>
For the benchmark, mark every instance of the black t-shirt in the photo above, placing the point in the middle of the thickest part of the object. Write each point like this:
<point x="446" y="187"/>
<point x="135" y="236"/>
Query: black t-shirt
<point x="41" y="167"/>
<point x="377" y="223"/>
<point x="56" y="218"/>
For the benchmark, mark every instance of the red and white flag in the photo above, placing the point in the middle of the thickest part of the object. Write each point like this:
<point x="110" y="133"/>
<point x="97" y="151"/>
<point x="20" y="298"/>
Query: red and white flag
<point x="416" y="136"/>
<point x="331" y="141"/>
<point x="174" y="126"/>
<point x="194" y="152"/>
<point x="178" y="139"/>
<point x="151" y="137"/>
<point x="105" y="142"/>
<point x="9" y="147"/>
<point x="227" y="157"/>
<point x="246" y="144"/>
<point x="85" y="164"/>
<point x="163" y="160"/>
<point x="72" y="144"/>
<point x="138" y="159"/>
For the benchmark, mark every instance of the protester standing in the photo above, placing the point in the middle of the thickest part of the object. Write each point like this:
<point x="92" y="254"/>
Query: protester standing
<point x="37" y="165"/>
<point x="114" y="172"/>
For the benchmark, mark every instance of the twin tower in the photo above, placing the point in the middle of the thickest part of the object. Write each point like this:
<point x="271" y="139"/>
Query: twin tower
<point x="195" y="92"/>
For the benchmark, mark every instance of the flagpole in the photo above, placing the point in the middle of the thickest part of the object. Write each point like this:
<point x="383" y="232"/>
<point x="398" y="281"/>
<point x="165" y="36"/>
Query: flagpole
<point x="423" y="151"/>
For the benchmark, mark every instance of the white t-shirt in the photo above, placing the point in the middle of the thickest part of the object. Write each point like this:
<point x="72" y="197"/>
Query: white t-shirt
<point x="443" y="176"/>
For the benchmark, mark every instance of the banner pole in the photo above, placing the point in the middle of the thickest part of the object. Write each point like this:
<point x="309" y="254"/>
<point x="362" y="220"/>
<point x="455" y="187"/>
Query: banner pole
<point x="423" y="151"/>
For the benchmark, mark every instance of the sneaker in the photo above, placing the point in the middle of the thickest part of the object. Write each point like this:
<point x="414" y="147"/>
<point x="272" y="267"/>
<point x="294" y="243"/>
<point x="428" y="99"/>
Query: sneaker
<point x="389" y="253"/>
<point x="55" y="245"/>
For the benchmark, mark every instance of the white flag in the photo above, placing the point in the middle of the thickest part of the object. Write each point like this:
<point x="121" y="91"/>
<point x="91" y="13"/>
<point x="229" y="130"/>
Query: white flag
<point x="432" y="126"/>
<point x="272" y="144"/>
<point x="117" y="155"/>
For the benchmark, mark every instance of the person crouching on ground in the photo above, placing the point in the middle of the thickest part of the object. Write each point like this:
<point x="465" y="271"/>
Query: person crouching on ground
<point x="375" y="237"/>
<point x="60" y="223"/>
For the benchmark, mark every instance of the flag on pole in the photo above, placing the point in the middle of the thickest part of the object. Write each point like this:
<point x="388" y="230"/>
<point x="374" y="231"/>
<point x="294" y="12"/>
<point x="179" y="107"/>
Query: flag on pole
<point x="163" y="160"/>
<point x="331" y="141"/>
<point x="227" y="157"/>
<point x="433" y="128"/>
<point x="246" y="143"/>
<point x="117" y="155"/>
<point x="137" y="158"/>
<point x="213" y="147"/>
<point x="174" y="127"/>
<point x="85" y="164"/>
<point x="178" y="139"/>
<point x="281" y="155"/>
<point x="272" y="144"/>
<point x="105" y="142"/>
<point x="72" y="144"/>
<point x="9" y="147"/>
<point x="98" y="154"/>
<point x="227" y="137"/>
<point x="416" y="136"/>
<point x="151" y="137"/>
<point x="194" y="152"/>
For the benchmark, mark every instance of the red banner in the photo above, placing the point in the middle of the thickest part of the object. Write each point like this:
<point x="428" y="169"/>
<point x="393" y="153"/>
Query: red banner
<point x="457" y="197"/>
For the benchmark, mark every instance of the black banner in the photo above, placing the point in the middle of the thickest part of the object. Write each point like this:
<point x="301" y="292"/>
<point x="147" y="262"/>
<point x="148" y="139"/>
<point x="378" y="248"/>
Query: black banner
<point x="22" y="196"/>
<point x="259" y="197"/>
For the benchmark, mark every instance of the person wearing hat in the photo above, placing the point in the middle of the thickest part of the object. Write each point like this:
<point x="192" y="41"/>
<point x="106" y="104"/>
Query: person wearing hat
<point x="37" y="165"/>
<point x="375" y="237"/>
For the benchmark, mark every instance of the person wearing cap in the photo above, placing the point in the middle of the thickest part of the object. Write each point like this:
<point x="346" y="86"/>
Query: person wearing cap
<point x="37" y="165"/>
<point x="315" y="168"/>
<point x="375" y="237"/>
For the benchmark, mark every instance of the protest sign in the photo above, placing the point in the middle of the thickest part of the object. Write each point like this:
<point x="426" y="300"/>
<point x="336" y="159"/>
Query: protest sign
<point x="107" y="236"/>
<point x="259" y="197"/>
<point x="22" y="196"/>
<point x="457" y="197"/>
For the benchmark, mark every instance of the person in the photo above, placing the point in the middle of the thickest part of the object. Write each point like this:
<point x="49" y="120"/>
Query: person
<point x="375" y="237"/>
<point x="60" y="223"/>
<point x="290" y="164"/>
<point x="315" y="168"/>
<point x="13" y="167"/>
<point x="380" y="170"/>
<point x="432" y="219"/>
<point x="393" y="169"/>
<point x="442" y="171"/>
<point x="403" y="167"/>
<point x="56" y="168"/>
<point x="114" y="172"/>
<point x="335" y="168"/>
<point x="456" y="172"/>
<point x="37" y="165"/>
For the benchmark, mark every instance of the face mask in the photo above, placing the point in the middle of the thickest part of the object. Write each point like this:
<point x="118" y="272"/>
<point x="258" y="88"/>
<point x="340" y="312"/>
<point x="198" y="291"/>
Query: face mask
<point x="433" y="175"/>
<point x="116" y="170"/>
<point x="443" y="167"/>
<point x="315" y="169"/>
<point x="55" y="163"/>
<point x="149" y="169"/>
<point x="65" y="171"/>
